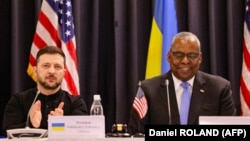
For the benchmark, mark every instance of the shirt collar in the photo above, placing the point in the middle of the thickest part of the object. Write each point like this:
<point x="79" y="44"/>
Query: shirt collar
<point x="177" y="82"/>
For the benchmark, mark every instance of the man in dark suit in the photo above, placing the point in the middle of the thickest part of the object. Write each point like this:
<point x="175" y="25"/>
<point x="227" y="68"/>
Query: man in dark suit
<point x="210" y="95"/>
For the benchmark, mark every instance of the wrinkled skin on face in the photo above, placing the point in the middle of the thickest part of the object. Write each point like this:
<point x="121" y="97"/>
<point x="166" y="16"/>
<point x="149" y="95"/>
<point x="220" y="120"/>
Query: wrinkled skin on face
<point x="185" y="68"/>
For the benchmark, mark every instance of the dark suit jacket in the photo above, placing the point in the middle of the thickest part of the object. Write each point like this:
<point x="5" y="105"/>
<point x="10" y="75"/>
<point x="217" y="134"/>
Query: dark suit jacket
<point x="211" y="96"/>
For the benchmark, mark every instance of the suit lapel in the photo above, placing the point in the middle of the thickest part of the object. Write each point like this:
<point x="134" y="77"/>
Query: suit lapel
<point x="197" y="98"/>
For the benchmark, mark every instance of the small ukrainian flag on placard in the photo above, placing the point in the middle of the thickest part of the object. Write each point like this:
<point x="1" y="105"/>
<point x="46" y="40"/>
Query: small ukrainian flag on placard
<point x="58" y="126"/>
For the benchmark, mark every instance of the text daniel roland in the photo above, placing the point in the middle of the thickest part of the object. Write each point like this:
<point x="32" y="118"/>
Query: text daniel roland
<point x="184" y="132"/>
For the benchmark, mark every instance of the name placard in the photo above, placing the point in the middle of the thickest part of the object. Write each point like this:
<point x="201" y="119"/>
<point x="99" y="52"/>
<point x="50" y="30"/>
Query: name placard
<point x="224" y="120"/>
<point x="76" y="127"/>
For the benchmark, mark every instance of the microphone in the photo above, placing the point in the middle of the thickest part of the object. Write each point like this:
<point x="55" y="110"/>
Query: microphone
<point x="27" y="132"/>
<point x="169" y="109"/>
<point x="28" y="115"/>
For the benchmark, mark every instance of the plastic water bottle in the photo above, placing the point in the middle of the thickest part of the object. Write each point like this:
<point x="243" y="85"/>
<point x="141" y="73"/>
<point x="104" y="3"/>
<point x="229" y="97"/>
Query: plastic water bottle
<point x="96" y="107"/>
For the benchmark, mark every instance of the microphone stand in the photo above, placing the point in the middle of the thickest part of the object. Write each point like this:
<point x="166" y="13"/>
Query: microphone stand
<point x="169" y="108"/>
<point x="28" y="115"/>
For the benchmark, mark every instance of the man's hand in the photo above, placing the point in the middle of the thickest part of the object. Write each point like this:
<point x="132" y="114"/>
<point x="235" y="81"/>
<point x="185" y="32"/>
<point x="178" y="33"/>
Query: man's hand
<point x="35" y="114"/>
<point x="58" y="111"/>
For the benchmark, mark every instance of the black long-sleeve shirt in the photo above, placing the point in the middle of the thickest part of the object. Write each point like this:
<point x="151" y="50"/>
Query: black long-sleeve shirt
<point x="16" y="110"/>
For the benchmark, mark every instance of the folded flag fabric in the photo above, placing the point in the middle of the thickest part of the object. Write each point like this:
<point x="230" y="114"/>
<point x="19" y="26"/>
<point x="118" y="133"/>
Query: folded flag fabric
<point x="140" y="103"/>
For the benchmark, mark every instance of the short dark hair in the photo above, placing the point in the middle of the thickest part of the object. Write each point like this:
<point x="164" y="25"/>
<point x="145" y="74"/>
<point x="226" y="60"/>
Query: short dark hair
<point x="50" y="50"/>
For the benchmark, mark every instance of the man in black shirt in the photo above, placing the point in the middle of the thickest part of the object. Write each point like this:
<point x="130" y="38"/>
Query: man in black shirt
<point x="50" y="99"/>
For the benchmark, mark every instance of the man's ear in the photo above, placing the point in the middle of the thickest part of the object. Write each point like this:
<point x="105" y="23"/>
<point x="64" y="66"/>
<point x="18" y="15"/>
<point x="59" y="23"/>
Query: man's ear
<point x="35" y="70"/>
<point x="200" y="60"/>
<point x="168" y="57"/>
<point x="65" y="70"/>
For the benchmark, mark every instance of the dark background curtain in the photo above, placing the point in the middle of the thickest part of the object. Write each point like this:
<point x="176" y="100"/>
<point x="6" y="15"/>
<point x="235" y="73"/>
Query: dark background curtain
<point x="112" y="40"/>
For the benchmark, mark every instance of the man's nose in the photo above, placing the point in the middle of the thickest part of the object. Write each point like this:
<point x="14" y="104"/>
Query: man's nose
<point x="51" y="69"/>
<point x="185" y="59"/>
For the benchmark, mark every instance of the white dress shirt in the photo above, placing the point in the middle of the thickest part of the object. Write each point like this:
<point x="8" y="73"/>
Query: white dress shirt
<point x="179" y="90"/>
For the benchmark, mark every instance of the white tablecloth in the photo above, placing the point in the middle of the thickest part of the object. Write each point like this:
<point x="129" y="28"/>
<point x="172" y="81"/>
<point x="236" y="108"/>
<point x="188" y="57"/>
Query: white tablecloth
<point x="100" y="139"/>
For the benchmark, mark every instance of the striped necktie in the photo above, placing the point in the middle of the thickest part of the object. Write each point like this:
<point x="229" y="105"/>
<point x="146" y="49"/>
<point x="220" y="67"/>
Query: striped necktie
<point x="185" y="102"/>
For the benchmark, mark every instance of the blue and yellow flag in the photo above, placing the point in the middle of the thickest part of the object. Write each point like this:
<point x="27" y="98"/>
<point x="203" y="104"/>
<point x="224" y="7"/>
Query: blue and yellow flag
<point x="164" y="27"/>
<point x="58" y="126"/>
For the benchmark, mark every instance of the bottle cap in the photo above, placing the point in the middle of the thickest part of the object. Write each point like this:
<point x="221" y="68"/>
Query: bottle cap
<point x="97" y="97"/>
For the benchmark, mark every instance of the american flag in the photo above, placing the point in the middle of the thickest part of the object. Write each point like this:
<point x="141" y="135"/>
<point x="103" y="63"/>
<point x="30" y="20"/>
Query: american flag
<point x="245" y="76"/>
<point x="140" y="103"/>
<point x="55" y="27"/>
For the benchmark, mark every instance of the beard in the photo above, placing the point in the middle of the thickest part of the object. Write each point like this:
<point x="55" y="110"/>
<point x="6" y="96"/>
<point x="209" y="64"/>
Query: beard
<point x="47" y="86"/>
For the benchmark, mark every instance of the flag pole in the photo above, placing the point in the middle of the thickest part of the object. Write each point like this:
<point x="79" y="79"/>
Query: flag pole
<point x="139" y="134"/>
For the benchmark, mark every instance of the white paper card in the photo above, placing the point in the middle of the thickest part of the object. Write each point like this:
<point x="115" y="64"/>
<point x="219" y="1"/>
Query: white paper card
<point x="76" y="127"/>
<point x="224" y="120"/>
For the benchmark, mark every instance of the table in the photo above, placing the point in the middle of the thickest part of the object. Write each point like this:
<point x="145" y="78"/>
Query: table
<point x="100" y="139"/>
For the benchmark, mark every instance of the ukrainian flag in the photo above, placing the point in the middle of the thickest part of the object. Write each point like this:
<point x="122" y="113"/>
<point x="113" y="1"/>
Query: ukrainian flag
<point x="58" y="126"/>
<point x="164" y="27"/>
